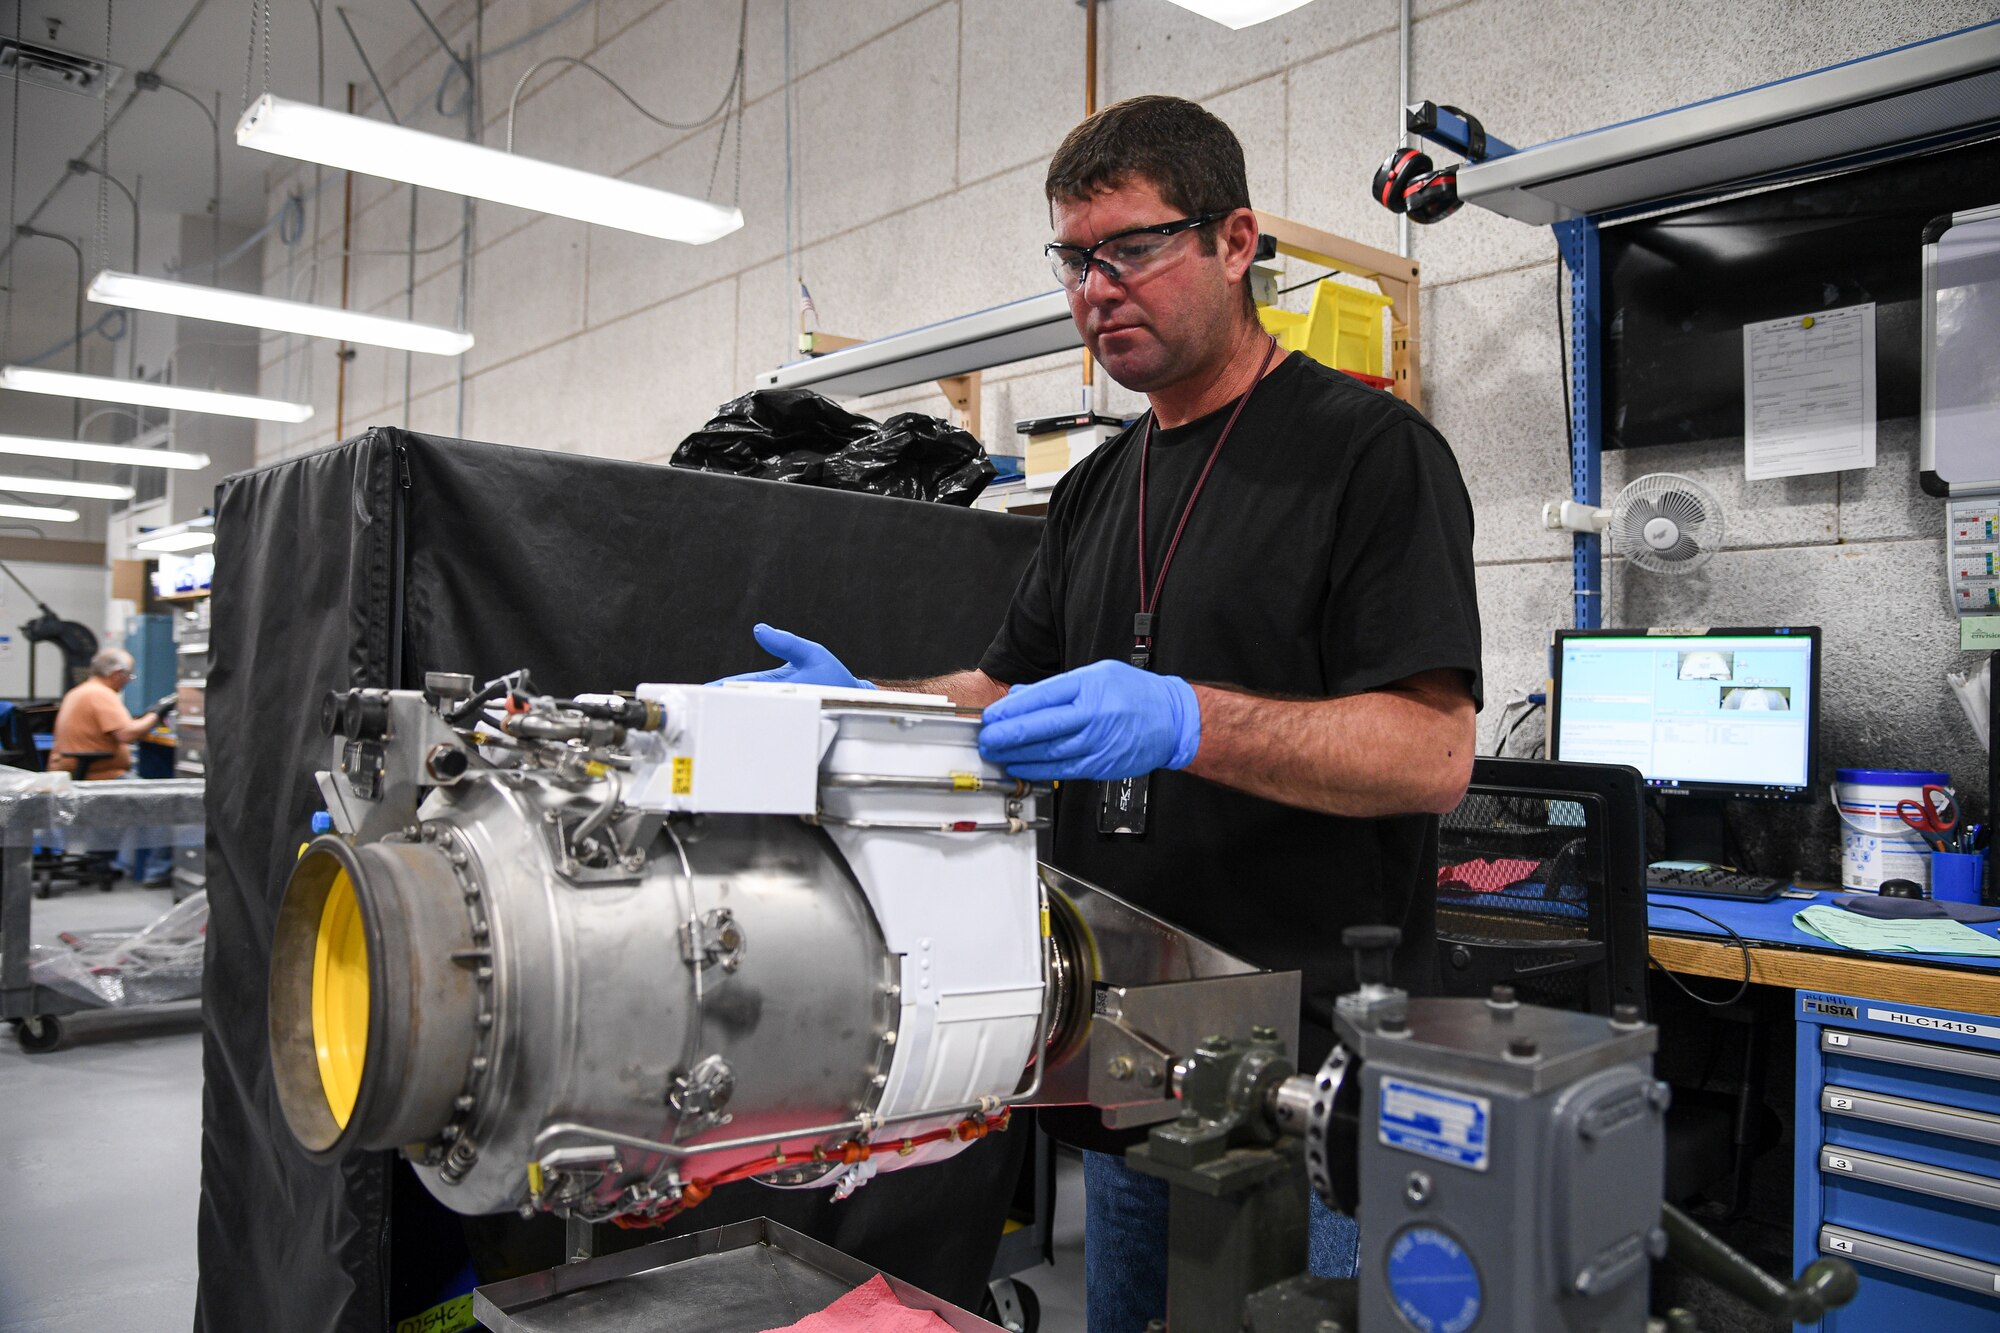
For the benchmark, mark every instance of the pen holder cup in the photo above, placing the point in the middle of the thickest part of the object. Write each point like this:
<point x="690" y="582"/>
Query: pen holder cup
<point x="1957" y="876"/>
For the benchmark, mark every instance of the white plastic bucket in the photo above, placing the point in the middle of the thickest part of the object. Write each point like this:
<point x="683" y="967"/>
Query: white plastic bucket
<point x="1875" y="843"/>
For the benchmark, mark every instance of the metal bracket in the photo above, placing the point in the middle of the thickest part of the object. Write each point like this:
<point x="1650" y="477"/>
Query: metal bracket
<point x="362" y="763"/>
<point x="699" y="1095"/>
<point x="711" y="938"/>
<point x="1138" y="1031"/>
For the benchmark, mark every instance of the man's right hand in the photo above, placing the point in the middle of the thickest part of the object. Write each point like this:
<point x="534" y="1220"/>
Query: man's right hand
<point x="806" y="662"/>
<point x="166" y="705"/>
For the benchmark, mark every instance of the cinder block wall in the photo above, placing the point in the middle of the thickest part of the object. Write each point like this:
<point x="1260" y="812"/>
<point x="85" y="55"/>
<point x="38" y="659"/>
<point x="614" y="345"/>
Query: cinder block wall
<point x="920" y="130"/>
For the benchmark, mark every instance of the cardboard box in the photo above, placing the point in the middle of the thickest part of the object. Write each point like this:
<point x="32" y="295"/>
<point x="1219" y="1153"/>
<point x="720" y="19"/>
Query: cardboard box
<point x="128" y="581"/>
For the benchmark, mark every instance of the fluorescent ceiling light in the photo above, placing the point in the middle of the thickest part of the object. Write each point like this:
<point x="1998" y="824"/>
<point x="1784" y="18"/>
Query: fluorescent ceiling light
<point x="195" y="301"/>
<point x="77" y="451"/>
<point x="196" y="532"/>
<point x="39" y="513"/>
<point x="377" y="148"/>
<point x="1239" y="13"/>
<point x="174" y="397"/>
<point x="82" y="490"/>
<point x="174" y="541"/>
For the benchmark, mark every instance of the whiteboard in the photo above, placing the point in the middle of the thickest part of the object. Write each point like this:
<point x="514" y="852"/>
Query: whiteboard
<point x="76" y="592"/>
<point x="1960" y="423"/>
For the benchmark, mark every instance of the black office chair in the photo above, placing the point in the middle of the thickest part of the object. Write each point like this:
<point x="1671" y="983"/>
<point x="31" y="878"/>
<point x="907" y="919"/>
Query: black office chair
<point x="1542" y="887"/>
<point x="54" y="872"/>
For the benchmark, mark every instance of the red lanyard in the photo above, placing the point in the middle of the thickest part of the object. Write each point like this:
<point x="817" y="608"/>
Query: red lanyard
<point x="1149" y="595"/>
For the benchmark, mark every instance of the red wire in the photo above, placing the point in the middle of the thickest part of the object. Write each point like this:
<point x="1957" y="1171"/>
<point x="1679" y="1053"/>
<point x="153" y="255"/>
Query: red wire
<point x="848" y="1153"/>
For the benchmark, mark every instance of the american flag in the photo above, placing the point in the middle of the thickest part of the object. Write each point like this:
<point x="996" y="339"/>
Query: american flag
<point x="807" y="310"/>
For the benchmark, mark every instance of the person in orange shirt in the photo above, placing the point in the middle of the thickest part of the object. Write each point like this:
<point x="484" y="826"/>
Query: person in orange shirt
<point x="93" y="720"/>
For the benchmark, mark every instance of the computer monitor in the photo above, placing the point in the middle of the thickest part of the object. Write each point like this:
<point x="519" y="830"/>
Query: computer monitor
<point x="1705" y="715"/>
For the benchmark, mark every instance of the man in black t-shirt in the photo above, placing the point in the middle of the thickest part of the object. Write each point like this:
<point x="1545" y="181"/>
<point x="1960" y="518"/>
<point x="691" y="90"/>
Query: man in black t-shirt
<point x="1319" y="541"/>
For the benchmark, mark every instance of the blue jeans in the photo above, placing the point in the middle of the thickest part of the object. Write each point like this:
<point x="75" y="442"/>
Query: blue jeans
<point x="1125" y="1244"/>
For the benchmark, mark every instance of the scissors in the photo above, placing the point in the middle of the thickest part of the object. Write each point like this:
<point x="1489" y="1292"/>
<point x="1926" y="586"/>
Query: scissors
<point x="1933" y="817"/>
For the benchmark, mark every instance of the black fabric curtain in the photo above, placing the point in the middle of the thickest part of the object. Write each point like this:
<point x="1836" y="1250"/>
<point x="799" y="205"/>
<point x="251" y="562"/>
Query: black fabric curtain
<point x="373" y="561"/>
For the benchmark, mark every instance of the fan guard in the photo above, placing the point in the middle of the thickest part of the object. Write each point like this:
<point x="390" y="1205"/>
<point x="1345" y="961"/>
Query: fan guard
<point x="1666" y="523"/>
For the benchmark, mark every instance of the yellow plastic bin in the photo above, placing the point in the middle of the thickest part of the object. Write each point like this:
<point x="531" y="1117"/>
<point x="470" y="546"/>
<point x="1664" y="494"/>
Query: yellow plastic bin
<point x="1343" y="328"/>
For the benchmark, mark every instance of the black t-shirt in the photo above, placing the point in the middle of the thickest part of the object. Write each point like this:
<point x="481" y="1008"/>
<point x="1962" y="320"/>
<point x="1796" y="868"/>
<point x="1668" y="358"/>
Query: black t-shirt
<point x="1330" y="553"/>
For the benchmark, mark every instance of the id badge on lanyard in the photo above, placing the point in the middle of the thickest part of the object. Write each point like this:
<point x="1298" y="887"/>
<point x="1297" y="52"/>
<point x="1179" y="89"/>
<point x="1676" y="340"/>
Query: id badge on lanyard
<point x="1121" y="804"/>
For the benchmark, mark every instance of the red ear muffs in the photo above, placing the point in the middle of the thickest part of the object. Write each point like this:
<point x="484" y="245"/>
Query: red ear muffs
<point x="1432" y="197"/>
<point x="1393" y="177"/>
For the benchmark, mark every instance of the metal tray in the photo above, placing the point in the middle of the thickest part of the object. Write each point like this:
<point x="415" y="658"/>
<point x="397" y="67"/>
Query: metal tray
<point x="742" y="1278"/>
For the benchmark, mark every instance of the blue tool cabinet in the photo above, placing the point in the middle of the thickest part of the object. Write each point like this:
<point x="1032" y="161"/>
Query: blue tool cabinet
<point x="1897" y="1164"/>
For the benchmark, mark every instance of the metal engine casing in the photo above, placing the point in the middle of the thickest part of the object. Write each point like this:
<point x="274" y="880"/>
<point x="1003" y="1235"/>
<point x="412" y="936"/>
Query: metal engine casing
<point x="823" y="924"/>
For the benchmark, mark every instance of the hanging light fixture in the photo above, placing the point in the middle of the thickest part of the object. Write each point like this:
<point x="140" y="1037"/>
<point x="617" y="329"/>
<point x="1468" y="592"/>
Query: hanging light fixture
<point x="82" y="490"/>
<point x="119" y="455"/>
<point x="145" y="393"/>
<point x="195" y="301"/>
<point x="189" y="536"/>
<point x="1239" y="13"/>
<point x="39" y="513"/>
<point x="377" y="148"/>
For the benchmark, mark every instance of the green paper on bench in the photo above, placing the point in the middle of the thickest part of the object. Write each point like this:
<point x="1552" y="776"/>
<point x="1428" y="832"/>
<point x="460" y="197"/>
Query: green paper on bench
<point x="1850" y="930"/>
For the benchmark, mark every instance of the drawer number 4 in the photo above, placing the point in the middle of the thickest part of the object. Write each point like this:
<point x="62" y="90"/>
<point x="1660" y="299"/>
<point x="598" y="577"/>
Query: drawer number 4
<point x="1841" y="1243"/>
<point x="1841" y="1103"/>
<point x="1839" y="1164"/>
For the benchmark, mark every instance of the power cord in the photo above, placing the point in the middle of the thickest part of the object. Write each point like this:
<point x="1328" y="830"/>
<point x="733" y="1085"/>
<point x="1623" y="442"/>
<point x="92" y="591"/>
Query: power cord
<point x="1528" y="708"/>
<point x="722" y="106"/>
<point x="1741" y="943"/>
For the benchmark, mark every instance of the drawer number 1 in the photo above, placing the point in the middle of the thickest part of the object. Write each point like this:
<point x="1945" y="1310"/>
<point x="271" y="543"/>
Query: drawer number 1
<point x="1841" y="1243"/>
<point x="1841" y="1103"/>
<point x="1836" y="1039"/>
<point x="1839" y="1164"/>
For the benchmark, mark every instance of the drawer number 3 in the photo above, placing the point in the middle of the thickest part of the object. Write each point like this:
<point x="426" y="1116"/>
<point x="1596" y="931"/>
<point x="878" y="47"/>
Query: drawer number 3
<point x="1839" y="1164"/>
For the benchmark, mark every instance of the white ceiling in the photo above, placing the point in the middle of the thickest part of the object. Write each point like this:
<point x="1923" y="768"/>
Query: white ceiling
<point x="163" y="140"/>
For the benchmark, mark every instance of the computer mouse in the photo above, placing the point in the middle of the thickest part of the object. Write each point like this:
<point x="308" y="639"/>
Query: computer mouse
<point x="1901" y="888"/>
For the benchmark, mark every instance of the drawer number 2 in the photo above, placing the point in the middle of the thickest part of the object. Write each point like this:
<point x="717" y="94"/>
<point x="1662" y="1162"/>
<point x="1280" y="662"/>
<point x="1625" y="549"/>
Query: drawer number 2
<point x="1841" y="1103"/>
<point x="1841" y="1243"/>
<point x="1839" y="1164"/>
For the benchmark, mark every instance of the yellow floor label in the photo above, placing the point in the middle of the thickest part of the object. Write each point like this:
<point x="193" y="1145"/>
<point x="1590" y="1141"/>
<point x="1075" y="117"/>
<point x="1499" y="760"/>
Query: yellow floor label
<point x="447" y="1317"/>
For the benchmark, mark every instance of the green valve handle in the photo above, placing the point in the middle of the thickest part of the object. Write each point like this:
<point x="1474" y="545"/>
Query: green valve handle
<point x="1826" y="1284"/>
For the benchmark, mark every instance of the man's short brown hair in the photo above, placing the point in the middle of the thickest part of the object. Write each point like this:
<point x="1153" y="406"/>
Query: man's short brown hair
<point x="1180" y="149"/>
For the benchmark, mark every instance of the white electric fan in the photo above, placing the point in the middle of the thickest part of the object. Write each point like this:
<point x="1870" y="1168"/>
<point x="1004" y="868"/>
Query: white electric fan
<point x="1662" y="522"/>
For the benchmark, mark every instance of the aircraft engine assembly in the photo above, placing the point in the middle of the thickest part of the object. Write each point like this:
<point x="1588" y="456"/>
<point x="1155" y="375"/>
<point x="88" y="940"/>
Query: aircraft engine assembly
<point x="599" y="955"/>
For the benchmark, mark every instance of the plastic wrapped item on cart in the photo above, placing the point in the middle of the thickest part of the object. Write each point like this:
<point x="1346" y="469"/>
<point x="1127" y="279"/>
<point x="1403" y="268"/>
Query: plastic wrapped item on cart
<point x="49" y="812"/>
<point x="118" y="969"/>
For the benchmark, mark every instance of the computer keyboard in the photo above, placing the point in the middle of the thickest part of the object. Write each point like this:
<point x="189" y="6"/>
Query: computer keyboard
<point x="1711" y="881"/>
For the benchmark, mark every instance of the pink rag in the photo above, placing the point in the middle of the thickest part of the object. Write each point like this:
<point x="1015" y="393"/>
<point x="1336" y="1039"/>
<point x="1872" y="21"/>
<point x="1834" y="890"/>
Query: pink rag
<point x="869" y="1308"/>
<point x="1483" y="876"/>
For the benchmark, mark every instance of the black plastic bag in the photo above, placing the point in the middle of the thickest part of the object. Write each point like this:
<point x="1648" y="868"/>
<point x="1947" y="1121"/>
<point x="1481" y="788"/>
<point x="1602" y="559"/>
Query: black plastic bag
<point x="801" y="436"/>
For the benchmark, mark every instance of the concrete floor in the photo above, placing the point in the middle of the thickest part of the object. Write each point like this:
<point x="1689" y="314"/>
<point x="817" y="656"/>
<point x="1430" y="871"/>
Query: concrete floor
<point x="100" y="1155"/>
<point x="1060" y="1289"/>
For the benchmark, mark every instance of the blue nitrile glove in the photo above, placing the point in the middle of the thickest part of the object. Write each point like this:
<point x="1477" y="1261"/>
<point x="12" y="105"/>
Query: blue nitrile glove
<point x="1106" y="721"/>
<point x="806" y="663"/>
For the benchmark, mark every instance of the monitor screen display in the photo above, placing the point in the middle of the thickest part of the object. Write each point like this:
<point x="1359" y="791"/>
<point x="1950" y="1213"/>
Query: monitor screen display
<point x="1705" y="713"/>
